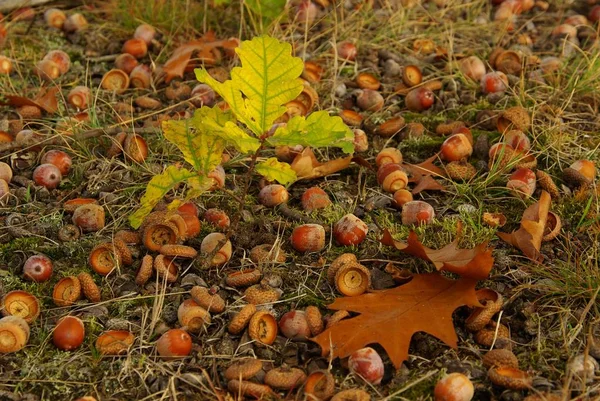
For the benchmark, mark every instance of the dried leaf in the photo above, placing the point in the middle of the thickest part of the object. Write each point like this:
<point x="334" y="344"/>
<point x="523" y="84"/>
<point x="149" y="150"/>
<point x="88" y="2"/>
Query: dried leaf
<point x="307" y="166"/>
<point x="427" y="183"/>
<point x="391" y="317"/>
<point x="425" y="169"/>
<point x="45" y="100"/>
<point x="473" y="263"/>
<point x="528" y="238"/>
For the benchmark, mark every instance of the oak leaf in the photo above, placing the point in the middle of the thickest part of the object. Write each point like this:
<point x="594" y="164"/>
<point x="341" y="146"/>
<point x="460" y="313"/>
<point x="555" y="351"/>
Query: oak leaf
<point x="422" y="175"/>
<point x="307" y="166"/>
<point x="45" y="100"/>
<point x="474" y="263"/>
<point x="528" y="238"/>
<point x="391" y="317"/>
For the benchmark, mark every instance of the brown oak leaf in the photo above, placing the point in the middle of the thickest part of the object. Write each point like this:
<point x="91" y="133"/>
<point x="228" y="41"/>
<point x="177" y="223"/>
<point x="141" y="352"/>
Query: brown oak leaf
<point x="307" y="166"/>
<point x="45" y="100"/>
<point x="391" y="317"/>
<point x="528" y="238"/>
<point x="474" y="263"/>
<point x="422" y="175"/>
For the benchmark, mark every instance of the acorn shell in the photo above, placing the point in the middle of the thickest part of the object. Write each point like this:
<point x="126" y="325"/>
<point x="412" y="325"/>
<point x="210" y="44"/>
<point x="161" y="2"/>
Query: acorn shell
<point x="390" y="127"/>
<point x="166" y="268"/>
<point x="319" y="385"/>
<point x="511" y="378"/>
<point x="79" y="97"/>
<point x="514" y="118"/>
<point x="494" y="219"/>
<point x="263" y="327"/>
<point x="448" y="127"/>
<point x="574" y="178"/>
<point x="546" y="183"/>
<point x="552" y="228"/>
<point x="354" y="394"/>
<point x="336" y="317"/>
<point x="114" y="342"/>
<point x="314" y="318"/>
<point x="158" y="234"/>
<point x="267" y="254"/>
<point x="115" y="80"/>
<point x="211" y="302"/>
<point x="69" y="233"/>
<point x="480" y="317"/>
<point x="460" y="170"/>
<point x="241" y="319"/>
<point x="243" y="369"/>
<point x="14" y="334"/>
<point x="104" y="258"/>
<point x="69" y="333"/>
<point x="145" y="271"/>
<point x="338" y="263"/>
<point x="487" y="335"/>
<point x="20" y="304"/>
<point x="353" y="279"/>
<point x="261" y="294"/>
<point x="243" y="278"/>
<point x="181" y="251"/>
<point x="284" y="378"/>
<point x="249" y="389"/>
<point x="129" y="237"/>
<point x="66" y="291"/>
<point x="500" y="358"/>
<point x="192" y="316"/>
<point x="89" y="287"/>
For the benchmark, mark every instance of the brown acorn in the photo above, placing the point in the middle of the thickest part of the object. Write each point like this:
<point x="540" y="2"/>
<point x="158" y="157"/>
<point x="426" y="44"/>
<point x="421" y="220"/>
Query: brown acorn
<point x="249" y="389"/>
<point x="89" y="287"/>
<point x="243" y="369"/>
<point x="14" y="334"/>
<point x="156" y="235"/>
<point x="314" y="320"/>
<point x="208" y="300"/>
<point x="390" y="127"/>
<point x="166" y="268"/>
<point x="241" y="319"/>
<point x="511" y="378"/>
<point x="552" y="228"/>
<point x="261" y="294"/>
<point x="263" y="327"/>
<point x="192" y="316"/>
<point x="114" y="342"/>
<point x="145" y="271"/>
<point x="20" y="304"/>
<point x="546" y="183"/>
<point x="487" y="335"/>
<point x="116" y="81"/>
<point x="319" y="385"/>
<point x="481" y="316"/>
<point x="104" y="258"/>
<point x="243" y="278"/>
<point x="285" y="378"/>
<point x="514" y="118"/>
<point x="500" y="358"/>
<point x="181" y="251"/>
<point x="66" y="291"/>
<point x="341" y="261"/>
<point x="353" y="279"/>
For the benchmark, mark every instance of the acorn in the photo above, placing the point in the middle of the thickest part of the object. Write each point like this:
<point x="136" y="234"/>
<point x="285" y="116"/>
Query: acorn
<point x="511" y="378"/>
<point x="114" y="342"/>
<point x="351" y="117"/>
<point x="401" y="197"/>
<point x="412" y="75"/>
<point x="482" y="316"/>
<point x="273" y="195"/>
<point x="69" y="233"/>
<point x="392" y="177"/>
<point x="494" y="82"/>
<point x="501" y="156"/>
<point x="218" y="178"/>
<point x="336" y="317"/>
<point x="47" y="70"/>
<point x="249" y="389"/>
<point x="61" y="59"/>
<point x="136" y="47"/>
<point x="145" y="32"/>
<point x="192" y="316"/>
<point x="456" y="147"/>
<point x="346" y="50"/>
<point x="38" y="268"/>
<point x="4" y="191"/>
<point x="388" y="155"/>
<point x="104" y="258"/>
<point x="21" y="304"/>
<point x="66" y="291"/>
<point x="390" y="127"/>
<point x="69" y="333"/>
<point x="472" y="67"/>
<point x="454" y="387"/>
<point x="546" y="183"/>
<point x="140" y="77"/>
<point x="241" y="319"/>
<point x="514" y="118"/>
<point x="552" y="228"/>
<point x="267" y="254"/>
<point x="521" y="183"/>
<point x="75" y="22"/>
<point x="135" y="148"/>
<point x="203" y="95"/>
<point x="308" y="238"/>
<point x="14" y="334"/>
<point x="208" y="299"/>
<point x="314" y="320"/>
<point x="54" y="18"/>
<point x="500" y="358"/>
<point x="285" y="378"/>
<point x="460" y="170"/>
<point x="509" y="62"/>
<point x="210" y="242"/>
<point x="417" y="212"/>
<point x="89" y="287"/>
<point x="580" y="173"/>
<point x="243" y="369"/>
<point x="365" y="80"/>
<point x="261" y="294"/>
<point x="6" y="66"/>
<point x="367" y="364"/>
<point x="294" y="325"/>
<point x="491" y="333"/>
<point x="217" y="217"/>
<point x="174" y="343"/>
<point x="369" y="100"/>
<point x="314" y="198"/>
<point x="115" y="80"/>
<point x="419" y="99"/>
<point x="319" y="385"/>
<point x="354" y="394"/>
<point x="263" y="327"/>
<point x="352" y="279"/>
<point x="126" y="62"/>
<point x="166" y="268"/>
<point x="155" y="235"/>
<point x="339" y="262"/>
<point x="350" y="230"/>
<point x="361" y="142"/>
<point x="312" y="72"/>
<point x="79" y="97"/>
<point x="178" y="91"/>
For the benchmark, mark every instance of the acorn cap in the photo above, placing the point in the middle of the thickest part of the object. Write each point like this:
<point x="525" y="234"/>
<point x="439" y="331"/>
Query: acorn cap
<point x="285" y="378"/>
<point x="340" y="261"/>
<point x="114" y="342"/>
<point x="181" y="251"/>
<point x="390" y="127"/>
<point x="166" y="268"/>
<point x="263" y="327"/>
<point x="353" y="279"/>
<point x="544" y="397"/>
<point x="158" y="234"/>
<point x="14" y="334"/>
<point x="354" y="394"/>
<point x="124" y="252"/>
<point x="448" y="128"/>
<point x="511" y="378"/>
<point x="249" y="389"/>
<point x="211" y="302"/>
<point x="267" y="253"/>
<point x="527" y="161"/>
<point x="152" y="218"/>
<point x="20" y="304"/>
<point x="261" y="294"/>
<point x="241" y="319"/>
<point x="487" y="335"/>
<point x="319" y="385"/>
<point x="179" y="222"/>
<point x="243" y="369"/>
<point x="336" y="317"/>
<point x="514" y="118"/>
<point x="192" y="316"/>
<point x="502" y="161"/>
<point x="460" y="170"/>
<point x="508" y="62"/>
<point x="145" y="271"/>
<point x="494" y="219"/>
<point x="574" y="178"/>
<point x="89" y="287"/>
<point x="480" y="317"/>
<point x="129" y="237"/>
<point x="546" y="183"/>
<point x="243" y="278"/>
<point x="552" y="228"/>
<point x="66" y="291"/>
<point x="314" y="320"/>
<point x="500" y="358"/>
<point x="104" y="258"/>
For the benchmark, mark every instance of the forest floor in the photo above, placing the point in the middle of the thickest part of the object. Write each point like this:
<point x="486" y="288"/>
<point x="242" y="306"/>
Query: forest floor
<point x="550" y="307"/>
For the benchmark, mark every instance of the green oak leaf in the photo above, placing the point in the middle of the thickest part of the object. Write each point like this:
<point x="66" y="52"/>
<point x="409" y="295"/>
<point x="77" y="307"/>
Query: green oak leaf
<point x="274" y="170"/>
<point x="319" y="129"/>
<point x="260" y="88"/>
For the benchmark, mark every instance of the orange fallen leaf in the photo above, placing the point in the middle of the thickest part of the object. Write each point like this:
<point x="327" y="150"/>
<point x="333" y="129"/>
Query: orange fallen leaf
<point x="45" y="100"/>
<point x="474" y="263"/>
<point x="307" y="166"/>
<point x="391" y="317"/>
<point x="427" y="183"/>
<point x="528" y="238"/>
<point x="423" y="169"/>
